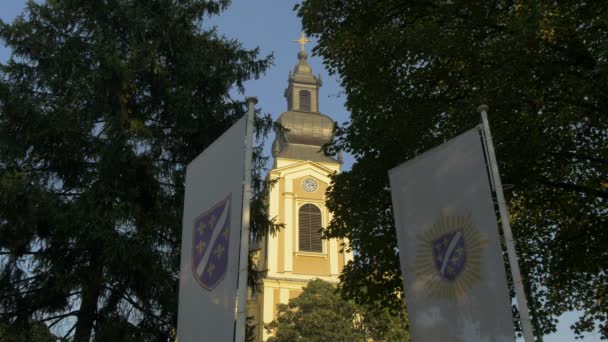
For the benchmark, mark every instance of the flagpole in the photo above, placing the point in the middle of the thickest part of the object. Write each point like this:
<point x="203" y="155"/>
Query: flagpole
<point x="241" y="312"/>
<point x="522" y="303"/>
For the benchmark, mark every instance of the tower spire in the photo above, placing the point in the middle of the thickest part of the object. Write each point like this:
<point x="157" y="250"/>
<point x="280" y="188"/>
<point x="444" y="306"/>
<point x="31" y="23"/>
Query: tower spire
<point x="302" y="41"/>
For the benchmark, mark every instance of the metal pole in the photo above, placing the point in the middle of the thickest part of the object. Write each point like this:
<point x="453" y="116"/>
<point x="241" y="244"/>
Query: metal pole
<point x="522" y="303"/>
<point x="241" y="311"/>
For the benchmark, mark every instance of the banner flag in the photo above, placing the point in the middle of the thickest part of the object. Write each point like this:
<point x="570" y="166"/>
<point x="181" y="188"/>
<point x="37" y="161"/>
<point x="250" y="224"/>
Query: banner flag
<point x="211" y="239"/>
<point x="449" y="248"/>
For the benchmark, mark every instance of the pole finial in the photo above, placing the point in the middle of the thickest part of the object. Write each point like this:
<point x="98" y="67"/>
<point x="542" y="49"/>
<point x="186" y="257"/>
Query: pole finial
<point x="303" y="40"/>
<point x="253" y="99"/>
<point x="483" y="108"/>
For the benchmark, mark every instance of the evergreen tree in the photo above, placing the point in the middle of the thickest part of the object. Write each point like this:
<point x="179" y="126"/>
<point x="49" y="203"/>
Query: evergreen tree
<point x="414" y="73"/>
<point x="102" y="104"/>
<point x="320" y="314"/>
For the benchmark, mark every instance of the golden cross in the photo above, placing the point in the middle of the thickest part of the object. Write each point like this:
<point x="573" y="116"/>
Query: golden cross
<point x="303" y="40"/>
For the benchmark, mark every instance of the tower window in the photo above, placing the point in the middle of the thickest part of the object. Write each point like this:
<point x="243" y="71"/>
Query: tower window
<point x="305" y="100"/>
<point x="309" y="232"/>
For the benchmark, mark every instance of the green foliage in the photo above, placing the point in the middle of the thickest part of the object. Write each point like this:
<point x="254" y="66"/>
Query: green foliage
<point x="320" y="314"/>
<point x="102" y="105"/>
<point x="26" y="332"/>
<point x="414" y="73"/>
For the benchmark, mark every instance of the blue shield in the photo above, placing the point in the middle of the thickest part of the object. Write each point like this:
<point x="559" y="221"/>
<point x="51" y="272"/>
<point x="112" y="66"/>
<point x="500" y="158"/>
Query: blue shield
<point x="210" y="243"/>
<point x="449" y="254"/>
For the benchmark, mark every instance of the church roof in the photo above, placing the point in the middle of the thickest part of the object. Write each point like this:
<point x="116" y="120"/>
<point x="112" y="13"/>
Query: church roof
<point x="305" y="152"/>
<point x="302" y="72"/>
<point x="306" y="130"/>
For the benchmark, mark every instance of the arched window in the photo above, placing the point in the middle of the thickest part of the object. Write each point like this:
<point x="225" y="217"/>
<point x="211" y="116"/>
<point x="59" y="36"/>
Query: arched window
<point x="309" y="232"/>
<point x="305" y="100"/>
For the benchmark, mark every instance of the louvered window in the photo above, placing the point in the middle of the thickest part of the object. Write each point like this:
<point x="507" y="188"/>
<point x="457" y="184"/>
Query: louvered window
<point x="309" y="232"/>
<point x="305" y="100"/>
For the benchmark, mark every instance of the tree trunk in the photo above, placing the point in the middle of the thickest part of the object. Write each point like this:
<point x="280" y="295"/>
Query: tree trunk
<point x="88" y="306"/>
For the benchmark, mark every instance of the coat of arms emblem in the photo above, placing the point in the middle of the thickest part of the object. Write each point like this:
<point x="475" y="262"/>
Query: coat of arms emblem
<point x="210" y="243"/>
<point x="448" y="256"/>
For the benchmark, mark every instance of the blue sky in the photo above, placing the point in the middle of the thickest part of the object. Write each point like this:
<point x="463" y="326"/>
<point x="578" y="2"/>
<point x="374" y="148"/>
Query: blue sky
<point x="272" y="25"/>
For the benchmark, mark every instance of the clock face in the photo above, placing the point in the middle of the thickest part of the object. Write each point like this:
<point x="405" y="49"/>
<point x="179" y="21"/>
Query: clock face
<point x="309" y="185"/>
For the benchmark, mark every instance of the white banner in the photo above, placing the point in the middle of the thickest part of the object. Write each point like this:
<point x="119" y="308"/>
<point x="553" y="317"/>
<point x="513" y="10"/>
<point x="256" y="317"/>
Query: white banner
<point x="450" y="254"/>
<point x="211" y="239"/>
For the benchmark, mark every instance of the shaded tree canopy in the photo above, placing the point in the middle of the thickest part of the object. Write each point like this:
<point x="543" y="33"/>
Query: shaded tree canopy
<point x="414" y="73"/>
<point x="102" y="105"/>
<point x="320" y="314"/>
<point x="36" y="331"/>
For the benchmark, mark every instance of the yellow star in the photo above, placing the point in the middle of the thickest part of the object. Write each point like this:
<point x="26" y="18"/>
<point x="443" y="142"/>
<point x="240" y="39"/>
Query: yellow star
<point x="212" y="221"/>
<point x="225" y="233"/>
<point x="210" y="269"/>
<point x="459" y="251"/>
<point x="219" y="251"/>
<point x="200" y="247"/>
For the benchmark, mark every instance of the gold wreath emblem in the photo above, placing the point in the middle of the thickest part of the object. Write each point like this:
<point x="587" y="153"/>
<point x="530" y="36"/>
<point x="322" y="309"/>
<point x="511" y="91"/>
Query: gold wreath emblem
<point x="448" y="257"/>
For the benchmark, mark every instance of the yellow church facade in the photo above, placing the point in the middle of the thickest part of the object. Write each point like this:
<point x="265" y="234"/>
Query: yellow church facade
<point x="300" y="176"/>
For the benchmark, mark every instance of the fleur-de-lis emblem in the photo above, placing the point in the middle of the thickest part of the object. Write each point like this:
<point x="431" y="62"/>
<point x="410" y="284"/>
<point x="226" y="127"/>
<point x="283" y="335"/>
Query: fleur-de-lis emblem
<point x="210" y="243"/>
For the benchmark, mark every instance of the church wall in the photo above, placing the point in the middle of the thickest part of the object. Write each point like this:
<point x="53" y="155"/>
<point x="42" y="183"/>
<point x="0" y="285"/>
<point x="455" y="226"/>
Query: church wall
<point x="281" y="260"/>
<point x="333" y="257"/>
<point x="284" y="282"/>
<point x="300" y="193"/>
<point x="312" y="264"/>
<point x="281" y="190"/>
<point x="289" y="226"/>
<point x="283" y="162"/>
<point x="274" y="209"/>
<point x="294" y="293"/>
<point x="281" y="233"/>
<point x="275" y="301"/>
<point x="289" y="260"/>
<point x="267" y="311"/>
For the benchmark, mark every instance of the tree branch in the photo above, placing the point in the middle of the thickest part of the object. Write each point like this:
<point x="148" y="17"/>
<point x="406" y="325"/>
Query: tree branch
<point x="579" y="156"/>
<point x="58" y="317"/>
<point x="69" y="332"/>
<point x="24" y="280"/>
<point x="576" y="188"/>
<point x="21" y="253"/>
<point x="134" y="304"/>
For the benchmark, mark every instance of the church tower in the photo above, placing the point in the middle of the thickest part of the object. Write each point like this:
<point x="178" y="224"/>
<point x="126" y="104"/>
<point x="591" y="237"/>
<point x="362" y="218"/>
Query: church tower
<point x="297" y="254"/>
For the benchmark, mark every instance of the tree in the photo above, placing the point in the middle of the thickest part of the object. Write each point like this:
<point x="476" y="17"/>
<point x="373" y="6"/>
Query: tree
<point x="414" y="73"/>
<point x="35" y="331"/>
<point x="102" y="105"/>
<point x="320" y="314"/>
